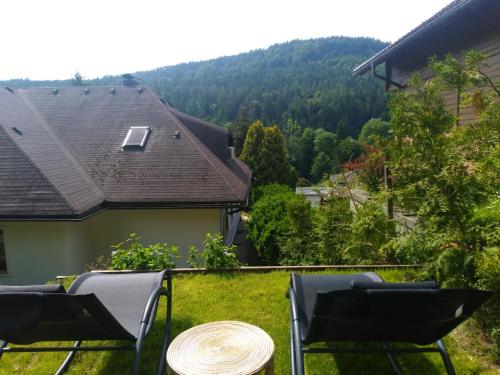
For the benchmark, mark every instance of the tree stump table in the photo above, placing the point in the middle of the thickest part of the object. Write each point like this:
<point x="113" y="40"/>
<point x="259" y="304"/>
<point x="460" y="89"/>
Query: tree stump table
<point x="222" y="348"/>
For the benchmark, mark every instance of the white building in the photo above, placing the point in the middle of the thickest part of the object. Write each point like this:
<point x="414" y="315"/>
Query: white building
<point x="82" y="167"/>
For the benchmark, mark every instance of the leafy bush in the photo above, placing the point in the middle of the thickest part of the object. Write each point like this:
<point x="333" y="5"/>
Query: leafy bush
<point x="414" y="247"/>
<point x="370" y="231"/>
<point x="133" y="255"/>
<point x="215" y="254"/>
<point x="488" y="274"/>
<point x="268" y="220"/>
<point x="195" y="258"/>
<point x="101" y="263"/>
<point x="374" y="131"/>
<point x="296" y="242"/>
<point x="369" y="168"/>
<point x="268" y="190"/>
<point x="448" y="173"/>
<point x="454" y="267"/>
<point x="286" y="230"/>
<point x="332" y="228"/>
<point x="486" y="225"/>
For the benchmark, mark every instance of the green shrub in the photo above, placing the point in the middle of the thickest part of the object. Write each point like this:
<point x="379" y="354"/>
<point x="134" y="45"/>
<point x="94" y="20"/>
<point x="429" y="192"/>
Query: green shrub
<point x="101" y="263"/>
<point x="268" y="220"/>
<point x="486" y="226"/>
<point x="454" y="267"/>
<point x="417" y="246"/>
<point x="369" y="168"/>
<point x="133" y="255"/>
<point x="215" y="254"/>
<point x="370" y="231"/>
<point x="268" y="190"/>
<point x="296" y="242"/>
<point x="447" y="171"/>
<point x="374" y="130"/>
<point x="477" y="266"/>
<point x="488" y="275"/>
<point x="332" y="228"/>
<point x="195" y="257"/>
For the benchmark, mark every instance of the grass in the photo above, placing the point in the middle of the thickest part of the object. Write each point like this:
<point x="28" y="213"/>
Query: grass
<point x="254" y="298"/>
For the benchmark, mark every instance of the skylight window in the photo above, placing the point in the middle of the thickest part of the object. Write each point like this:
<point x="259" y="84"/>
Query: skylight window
<point x="136" y="138"/>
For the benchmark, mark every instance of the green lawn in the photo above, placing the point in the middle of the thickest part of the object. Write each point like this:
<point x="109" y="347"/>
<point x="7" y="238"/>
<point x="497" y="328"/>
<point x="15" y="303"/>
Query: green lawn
<point x="254" y="298"/>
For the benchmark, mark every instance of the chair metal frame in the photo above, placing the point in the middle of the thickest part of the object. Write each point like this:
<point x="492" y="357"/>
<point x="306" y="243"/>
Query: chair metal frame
<point x="298" y="349"/>
<point x="146" y="324"/>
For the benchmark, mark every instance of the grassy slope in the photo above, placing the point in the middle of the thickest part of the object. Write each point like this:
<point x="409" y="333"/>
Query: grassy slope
<point x="254" y="298"/>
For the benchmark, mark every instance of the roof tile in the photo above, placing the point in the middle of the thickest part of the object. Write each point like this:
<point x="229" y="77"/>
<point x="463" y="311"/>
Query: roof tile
<point x="73" y="139"/>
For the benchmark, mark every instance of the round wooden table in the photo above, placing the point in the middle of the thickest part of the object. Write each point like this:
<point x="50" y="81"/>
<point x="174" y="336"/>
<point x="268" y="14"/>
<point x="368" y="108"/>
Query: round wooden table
<point x="222" y="348"/>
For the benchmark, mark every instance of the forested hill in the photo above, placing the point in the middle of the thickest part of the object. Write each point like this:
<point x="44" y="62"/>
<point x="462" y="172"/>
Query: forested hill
<point x="307" y="81"/>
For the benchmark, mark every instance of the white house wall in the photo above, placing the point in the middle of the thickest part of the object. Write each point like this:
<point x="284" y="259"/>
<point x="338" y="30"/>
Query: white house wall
<point x="34" y="251"/>
<point x="39" y="251"/>
<point x="180" y="227"/>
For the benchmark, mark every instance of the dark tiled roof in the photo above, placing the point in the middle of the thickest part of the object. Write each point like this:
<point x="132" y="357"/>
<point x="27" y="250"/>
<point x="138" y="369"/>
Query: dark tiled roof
<point x="214" y="137"/>
<point x="25" y="190"/>
<point x="454" y="6"/>
<point x="72" y="140"/>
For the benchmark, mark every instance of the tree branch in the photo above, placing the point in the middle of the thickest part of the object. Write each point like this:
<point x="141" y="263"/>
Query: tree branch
<point x="492" y="85"/>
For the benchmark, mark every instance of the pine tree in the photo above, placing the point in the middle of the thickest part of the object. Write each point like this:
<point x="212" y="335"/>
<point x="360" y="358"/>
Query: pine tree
<point x="77" y="79"/>
<point x="264" y="152"/>
<point x="274" y="165"/>
<point x="252" y="148"/>
<point x="240" y="128"/>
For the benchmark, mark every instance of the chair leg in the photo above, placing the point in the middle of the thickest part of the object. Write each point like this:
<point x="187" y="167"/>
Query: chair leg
<point x="292" y="346"/>
<point x="3" y="344"/>
<point x="391" y="359"/>
<point x="446" y="358"/>
<point x="138" y="349"/>
<point x="297" y="339"/>
<point x="64" y="366"/>
<point x="299" y="354"/>
<point x="166" y="339"/>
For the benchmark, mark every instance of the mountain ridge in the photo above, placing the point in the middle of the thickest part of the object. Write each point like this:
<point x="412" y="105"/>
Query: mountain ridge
<point x="306" y="81"/>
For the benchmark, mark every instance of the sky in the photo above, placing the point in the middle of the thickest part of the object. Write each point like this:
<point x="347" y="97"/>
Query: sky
<point x="53" y="39"/>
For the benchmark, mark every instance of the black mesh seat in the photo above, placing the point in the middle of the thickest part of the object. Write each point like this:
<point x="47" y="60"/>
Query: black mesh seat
<point x="98" y="306"/>
<point x="362" y="307"/>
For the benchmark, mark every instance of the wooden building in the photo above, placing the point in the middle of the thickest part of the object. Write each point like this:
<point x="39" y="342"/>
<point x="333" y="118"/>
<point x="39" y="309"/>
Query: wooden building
<point x="461" y="26"/>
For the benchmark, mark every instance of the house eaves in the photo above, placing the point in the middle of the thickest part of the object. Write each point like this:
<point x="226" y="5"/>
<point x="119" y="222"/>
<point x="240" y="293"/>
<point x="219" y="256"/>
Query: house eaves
<point x="423" y="30"/>
<point x="123" y="206"/>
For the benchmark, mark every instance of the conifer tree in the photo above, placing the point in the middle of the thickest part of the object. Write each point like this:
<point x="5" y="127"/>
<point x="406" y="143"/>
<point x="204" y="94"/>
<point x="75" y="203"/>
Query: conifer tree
<point x="240" y="128"/>
<point x="252" y="147"/>
<point x="77" y="79"/>
<point x="264" y="152"/>
<point x="274" y="166"/>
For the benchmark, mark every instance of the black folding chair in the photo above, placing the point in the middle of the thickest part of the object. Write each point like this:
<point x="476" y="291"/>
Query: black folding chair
<point x="97" y="306"/>
<point x="362" y="307"/>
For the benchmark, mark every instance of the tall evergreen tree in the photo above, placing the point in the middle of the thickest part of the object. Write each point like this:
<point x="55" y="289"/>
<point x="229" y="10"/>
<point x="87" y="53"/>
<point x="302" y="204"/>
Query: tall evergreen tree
<point x="275" y="166"/>
<point x="325" y="159"/>
<point x="264" y="152"/>
<point x="252" y="148"/>
<point x="240" y="129"/>
<point x="77" y="79"/>
<point x="301" y="151"/>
